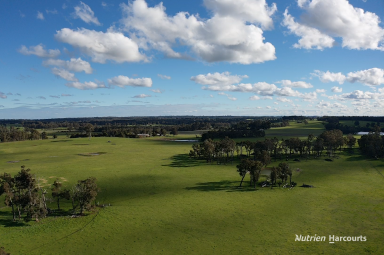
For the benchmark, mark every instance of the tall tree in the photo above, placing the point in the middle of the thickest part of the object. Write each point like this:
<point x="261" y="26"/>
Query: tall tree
<point x="85" y="193"/>
<point x="255" y="169"/>
<point x="243" y="169"/>
<point x="7" y="187"/>
<point x="59" y="193"/>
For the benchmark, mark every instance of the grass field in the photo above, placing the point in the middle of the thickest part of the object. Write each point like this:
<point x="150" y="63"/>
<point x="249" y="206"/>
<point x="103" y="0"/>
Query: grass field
<point x="165" y="203"/>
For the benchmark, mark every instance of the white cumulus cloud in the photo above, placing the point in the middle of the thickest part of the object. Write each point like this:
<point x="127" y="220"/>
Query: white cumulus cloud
<point x="219" y="79"/>
<point x="284" y="100"/>
<point x="164" y="77"/>
<point x="254" y="98"/>
<point x="255" y="11"/>
<point x="141" y="96"/>
<point x="357" y="28"/>
<point x="102" y="46"/>
<point x="40" y="15"/>
<point x="230" y="35"/>
<point x="85" y="85"/>
<point x="371" y="77"/>
<point x="296" y="84"/>
<point x="64" y="74"/>
<point x="330" y="77"/>
<point x="39" y="51"/>
<point x="311" y="38"/>
<point x="122" y="81"/>
<point x="337" y="89"/>
<point x="85" y="13"/>
<point x="75" y="65"/>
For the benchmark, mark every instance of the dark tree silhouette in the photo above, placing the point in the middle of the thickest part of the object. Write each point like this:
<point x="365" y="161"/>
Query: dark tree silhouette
<point x="59" y="193"/>
<point x="85" y="193"/>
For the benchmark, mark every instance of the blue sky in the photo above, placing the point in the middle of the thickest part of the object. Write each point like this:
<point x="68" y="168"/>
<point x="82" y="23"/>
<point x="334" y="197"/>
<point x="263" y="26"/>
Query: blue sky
<point x="205" y="57"/>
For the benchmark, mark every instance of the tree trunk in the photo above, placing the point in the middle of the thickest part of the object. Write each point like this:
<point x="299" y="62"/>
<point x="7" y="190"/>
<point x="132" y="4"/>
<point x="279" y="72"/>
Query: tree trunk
<point x="13" y="212"/>
<point x="18" y="209"/>
<point x="242" y="180"/>
<point x="58" y="203"/>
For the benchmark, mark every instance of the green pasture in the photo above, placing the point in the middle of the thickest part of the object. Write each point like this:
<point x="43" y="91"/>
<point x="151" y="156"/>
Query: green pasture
<point x="162" y="202"/>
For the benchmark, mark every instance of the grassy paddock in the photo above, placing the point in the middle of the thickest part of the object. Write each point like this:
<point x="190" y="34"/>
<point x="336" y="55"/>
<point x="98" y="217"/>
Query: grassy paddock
<point x="165" y="203"/>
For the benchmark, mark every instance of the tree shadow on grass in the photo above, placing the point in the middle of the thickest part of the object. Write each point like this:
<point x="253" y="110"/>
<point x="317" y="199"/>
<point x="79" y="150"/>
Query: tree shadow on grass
<point x="228" y="186"/>
<point x="61" y="141"/>
<point x="183" y="160"/>
<point x="360" y="158"/>
<point x="6" y="221"/>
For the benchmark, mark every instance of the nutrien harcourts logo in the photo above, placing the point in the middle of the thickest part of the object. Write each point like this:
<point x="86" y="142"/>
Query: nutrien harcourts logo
<point x="331" y="239"/>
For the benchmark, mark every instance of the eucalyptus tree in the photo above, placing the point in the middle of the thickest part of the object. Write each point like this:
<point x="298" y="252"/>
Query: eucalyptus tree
<point x="209" y="149"/>
<point x="59" y="193"/>
<point x="7" y="187"/>
<point x="243" y="168"/>
<point x="274" y="175"/>
<point x="255" y="170"/>
<point x="264" y="158"/>
<point x="85" y="192"/>
<point x="248" y="147"/>
<point x="284" y="171"/>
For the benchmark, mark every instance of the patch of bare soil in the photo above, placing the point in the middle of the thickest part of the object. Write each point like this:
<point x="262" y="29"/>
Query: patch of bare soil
<point x="90" y="154"/>
<point x="17" y="161"/>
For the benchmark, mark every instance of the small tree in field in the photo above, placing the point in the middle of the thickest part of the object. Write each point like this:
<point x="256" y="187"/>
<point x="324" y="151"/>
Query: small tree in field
<point x="59" y="193"/>
<point x="243" y="168"/>
<point x="44" y="135"/>
<point x="85" y="193"/>
<point x="174" y="131"/>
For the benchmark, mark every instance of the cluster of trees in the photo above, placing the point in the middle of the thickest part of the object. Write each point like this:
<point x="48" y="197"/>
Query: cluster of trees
<point x="372" y="119"/>
<point x="372" y="145"/>
<point x="221" y="151"/>
<point x="254" y="168"/>
<point x="331" y="123"/>
<point x="219" y="127"/>
<point x="225" y="149"/>
<point x="25" y="196"/>
<point x="284" y="123"/>
<point x="12" y="134"/>
<point x="240" y="130"/>
<point x="186" y="123"/>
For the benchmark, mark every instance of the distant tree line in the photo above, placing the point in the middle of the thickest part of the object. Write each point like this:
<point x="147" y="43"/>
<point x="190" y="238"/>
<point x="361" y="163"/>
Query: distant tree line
<point x="186" y="123"/>
<point x="25" y="196"/>
<point x="13" y="134"/>
<point x="224" y="150"/>
<point x="241" y="129"/>
<point x="331" y="123"/>
<point x="372" y="119"/>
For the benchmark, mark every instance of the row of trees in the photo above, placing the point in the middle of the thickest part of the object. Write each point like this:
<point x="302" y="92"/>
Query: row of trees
<point x="24" y="195"/>
<point x="240" y="130"/>
<point x="372" y="145"/>
<point x="331" y="123"/>
<point x="224" y="150"/>
<point x="13" y="134"/>
<point x="254" y="168"/>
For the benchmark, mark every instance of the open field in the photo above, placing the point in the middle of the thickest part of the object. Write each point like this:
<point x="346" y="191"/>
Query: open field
<point x="165" y="203"/>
